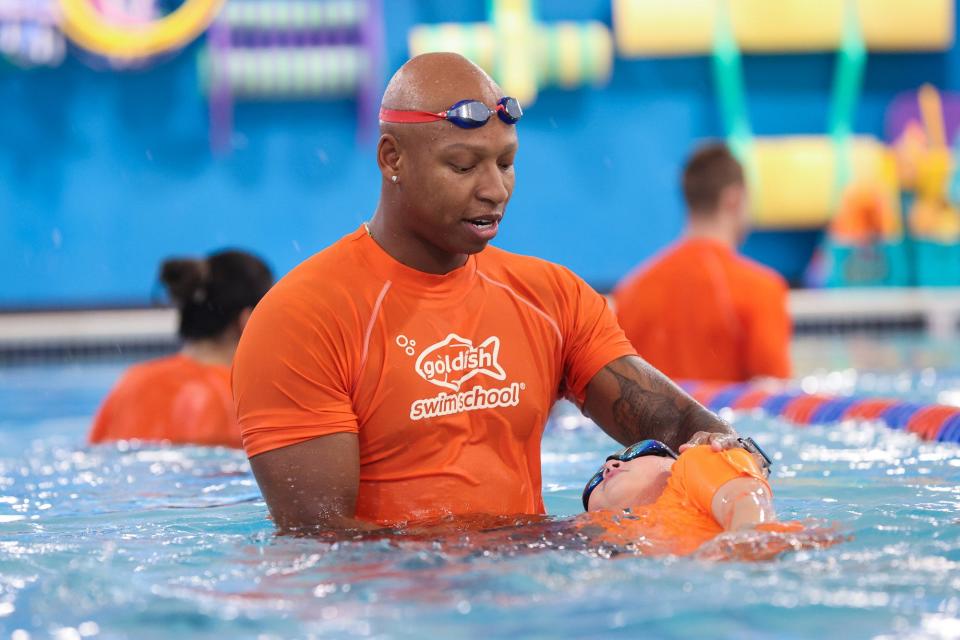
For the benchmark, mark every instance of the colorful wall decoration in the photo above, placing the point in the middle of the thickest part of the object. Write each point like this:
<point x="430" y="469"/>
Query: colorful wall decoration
<point x="87" y="26"/>
<point x="725" y="28"/>
<point x="103" y="172"/>
<point x="845" y="183"/>
<point x="30" y="33"/>
<point x="292" y="50"/>
<point x="523" y="54"/>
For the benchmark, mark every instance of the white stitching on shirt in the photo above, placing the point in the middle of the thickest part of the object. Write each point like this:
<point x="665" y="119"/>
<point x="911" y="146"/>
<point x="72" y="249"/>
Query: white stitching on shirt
<point x="366" y="337"/>
<point x="553" y="323"/>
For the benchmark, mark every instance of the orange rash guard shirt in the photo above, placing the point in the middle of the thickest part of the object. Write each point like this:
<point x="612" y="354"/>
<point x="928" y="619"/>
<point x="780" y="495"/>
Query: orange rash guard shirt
<point x="447" y="380"/>
<point x="699" y="311"/>
<point x="176" y="399"/>
<point x="681" y="519"/>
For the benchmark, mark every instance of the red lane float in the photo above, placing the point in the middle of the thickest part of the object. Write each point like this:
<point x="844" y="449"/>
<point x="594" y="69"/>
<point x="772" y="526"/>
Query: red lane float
<point x="928" y="421"/>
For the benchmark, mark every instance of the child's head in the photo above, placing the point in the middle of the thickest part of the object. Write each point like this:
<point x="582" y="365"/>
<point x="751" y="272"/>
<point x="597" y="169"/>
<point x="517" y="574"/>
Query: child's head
<point x="632" y="477"/>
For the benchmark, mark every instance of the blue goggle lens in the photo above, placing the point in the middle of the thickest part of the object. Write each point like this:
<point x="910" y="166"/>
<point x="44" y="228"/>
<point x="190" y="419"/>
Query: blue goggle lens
<point x="510" y="110"/>
<point x="470" y="114"/>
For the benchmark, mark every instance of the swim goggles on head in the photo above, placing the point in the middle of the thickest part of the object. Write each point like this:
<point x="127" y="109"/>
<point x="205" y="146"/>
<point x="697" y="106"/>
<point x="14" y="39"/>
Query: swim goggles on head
<point x="466" y="114"/>
<point x="634" y="451"/>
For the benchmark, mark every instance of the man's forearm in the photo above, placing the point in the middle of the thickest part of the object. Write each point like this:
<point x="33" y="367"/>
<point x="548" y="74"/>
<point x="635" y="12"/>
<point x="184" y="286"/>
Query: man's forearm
<point x="632" y="401"/>
<point x="334" y="526"/>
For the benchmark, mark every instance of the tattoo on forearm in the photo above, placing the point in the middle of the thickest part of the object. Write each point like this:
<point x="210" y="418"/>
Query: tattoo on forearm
<point x="650" y="407"/>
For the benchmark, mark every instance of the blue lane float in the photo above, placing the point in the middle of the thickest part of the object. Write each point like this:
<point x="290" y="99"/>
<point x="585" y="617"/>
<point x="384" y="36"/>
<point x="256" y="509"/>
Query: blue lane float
<point x="928" y="421"/>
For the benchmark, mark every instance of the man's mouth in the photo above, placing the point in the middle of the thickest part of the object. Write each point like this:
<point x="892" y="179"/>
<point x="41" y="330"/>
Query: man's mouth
<point x="484" y="222"/>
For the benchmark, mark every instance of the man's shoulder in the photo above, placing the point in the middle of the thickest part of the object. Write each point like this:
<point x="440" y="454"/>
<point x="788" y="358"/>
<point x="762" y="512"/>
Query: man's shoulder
<point x="494" y="260"/>
<point x="156" y="374"/>
<point x="330" y="262"/>
<point x="324" y="286"/>
<point x="337" y="269"/>
<point x="165" y="366"/>
<point x="759" y="275"/>
<point x="666" y="263"/>
<point x="532" y="272"/>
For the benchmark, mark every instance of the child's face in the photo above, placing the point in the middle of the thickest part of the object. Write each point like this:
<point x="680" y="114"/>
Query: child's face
<point x="630" y="484"/>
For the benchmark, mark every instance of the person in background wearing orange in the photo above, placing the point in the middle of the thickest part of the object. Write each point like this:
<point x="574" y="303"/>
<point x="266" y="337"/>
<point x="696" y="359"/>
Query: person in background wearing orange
<point x="407" y="371"/>
<point x="185" y="398"/>
<point x="699" y="310"/>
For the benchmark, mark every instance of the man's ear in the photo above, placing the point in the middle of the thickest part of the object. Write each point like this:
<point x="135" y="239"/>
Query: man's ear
<point x="732" y="198"/>
<point x="389" y="156"/>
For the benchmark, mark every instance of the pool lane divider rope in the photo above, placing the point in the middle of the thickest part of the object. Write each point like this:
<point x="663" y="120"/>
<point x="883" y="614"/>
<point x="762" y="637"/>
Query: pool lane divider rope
<point x="935" y="422"/>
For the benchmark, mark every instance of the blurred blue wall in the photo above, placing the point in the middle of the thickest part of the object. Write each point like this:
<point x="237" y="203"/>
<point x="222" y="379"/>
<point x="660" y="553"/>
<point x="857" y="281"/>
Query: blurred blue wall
<point x="102" y="174"/>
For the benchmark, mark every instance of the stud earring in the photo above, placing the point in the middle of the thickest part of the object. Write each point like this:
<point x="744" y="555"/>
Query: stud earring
<point x="394" y="178"/>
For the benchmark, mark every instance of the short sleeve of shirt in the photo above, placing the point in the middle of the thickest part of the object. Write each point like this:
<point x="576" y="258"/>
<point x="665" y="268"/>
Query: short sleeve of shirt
<point x="291" y="375"/>
<point x="701" y="472"/>
<point x="592" y="337"/>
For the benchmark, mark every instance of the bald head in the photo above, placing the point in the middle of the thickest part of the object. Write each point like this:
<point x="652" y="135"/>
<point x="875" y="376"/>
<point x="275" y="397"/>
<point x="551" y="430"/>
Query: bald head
<point x="435" y="82"/>
<point x="444" y="188"/>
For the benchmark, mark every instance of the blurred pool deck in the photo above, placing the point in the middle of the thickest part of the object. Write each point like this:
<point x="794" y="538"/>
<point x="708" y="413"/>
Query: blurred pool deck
<point x="42" y="335"/>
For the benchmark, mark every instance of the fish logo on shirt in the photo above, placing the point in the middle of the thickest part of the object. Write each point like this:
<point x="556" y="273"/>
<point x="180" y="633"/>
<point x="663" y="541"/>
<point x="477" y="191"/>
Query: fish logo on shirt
<point x="454" y="360"/>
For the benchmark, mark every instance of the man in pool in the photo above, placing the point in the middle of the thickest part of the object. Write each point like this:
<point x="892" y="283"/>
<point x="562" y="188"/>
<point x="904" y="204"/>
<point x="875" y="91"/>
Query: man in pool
<point x="408" y="370"/>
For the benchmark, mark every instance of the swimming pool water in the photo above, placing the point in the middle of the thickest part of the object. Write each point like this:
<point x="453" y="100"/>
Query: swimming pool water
<point x="158" y="542"/>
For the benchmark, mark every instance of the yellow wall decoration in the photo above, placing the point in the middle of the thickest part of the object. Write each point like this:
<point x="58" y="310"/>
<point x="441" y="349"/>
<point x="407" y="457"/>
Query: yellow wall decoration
<point x="782" y="201"/>
<point x="88" y="29"/>
<point x="687" y="27"/>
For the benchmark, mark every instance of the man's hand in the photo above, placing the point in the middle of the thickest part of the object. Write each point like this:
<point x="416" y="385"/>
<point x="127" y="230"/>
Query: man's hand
<point x="717" y="441"/>
<point x="723" y="442"/>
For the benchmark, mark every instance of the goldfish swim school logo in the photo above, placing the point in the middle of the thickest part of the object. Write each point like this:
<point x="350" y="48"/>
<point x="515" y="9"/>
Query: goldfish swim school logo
<point x="454" y="360"/>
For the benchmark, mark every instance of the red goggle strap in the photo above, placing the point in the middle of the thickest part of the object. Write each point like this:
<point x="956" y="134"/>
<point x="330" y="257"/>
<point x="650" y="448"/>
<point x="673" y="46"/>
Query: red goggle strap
<point x="410" y="117"/>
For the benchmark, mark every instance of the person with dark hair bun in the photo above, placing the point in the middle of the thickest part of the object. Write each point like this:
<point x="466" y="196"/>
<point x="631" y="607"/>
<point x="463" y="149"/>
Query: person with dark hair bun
<point x="185" y="398"/>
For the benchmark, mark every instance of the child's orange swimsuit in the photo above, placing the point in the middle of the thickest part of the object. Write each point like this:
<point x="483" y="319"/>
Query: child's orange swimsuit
<point x="682" y="518"/>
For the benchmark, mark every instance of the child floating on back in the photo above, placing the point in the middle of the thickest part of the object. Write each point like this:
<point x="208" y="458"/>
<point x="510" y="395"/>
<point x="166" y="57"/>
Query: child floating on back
<point x="648" y="497"/>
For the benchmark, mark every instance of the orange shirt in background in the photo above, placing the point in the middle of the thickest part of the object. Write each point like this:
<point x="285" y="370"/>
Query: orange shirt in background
<point x="447" y="380"/>
<point x="699" y="311"/>
<point x="176" y="399"/>
<point x="681" y="519"/>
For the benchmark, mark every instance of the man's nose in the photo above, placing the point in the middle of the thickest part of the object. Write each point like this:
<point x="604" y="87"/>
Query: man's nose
<point x="493" y="185"/>
<point x="610" y="466"/>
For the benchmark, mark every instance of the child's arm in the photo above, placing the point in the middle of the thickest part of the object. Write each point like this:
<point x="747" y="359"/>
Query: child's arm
<point x="743" y="503"/>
